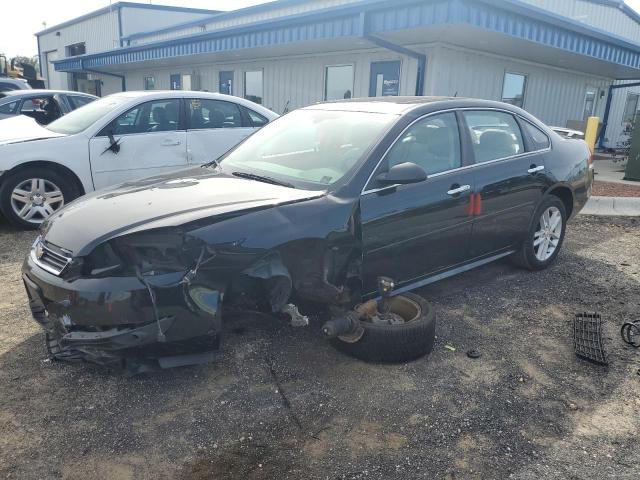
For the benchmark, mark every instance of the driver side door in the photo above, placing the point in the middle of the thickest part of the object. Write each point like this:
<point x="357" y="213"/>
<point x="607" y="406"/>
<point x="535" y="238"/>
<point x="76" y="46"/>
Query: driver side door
<point x="417" y="230"/>
<point x="152" y="140"/>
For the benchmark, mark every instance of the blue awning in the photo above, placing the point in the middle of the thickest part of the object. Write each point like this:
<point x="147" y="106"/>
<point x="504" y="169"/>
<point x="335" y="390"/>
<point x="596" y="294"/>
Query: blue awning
<point x="511" y="18"/>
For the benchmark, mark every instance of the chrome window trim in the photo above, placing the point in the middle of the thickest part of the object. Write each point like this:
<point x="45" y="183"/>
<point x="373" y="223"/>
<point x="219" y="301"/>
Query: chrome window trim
<point x="465" y="167"/>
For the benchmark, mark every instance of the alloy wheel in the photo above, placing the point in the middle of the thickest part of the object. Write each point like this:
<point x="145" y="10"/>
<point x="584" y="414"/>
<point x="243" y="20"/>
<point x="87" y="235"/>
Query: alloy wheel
<point x="34" y="199"/>
<point x="547" y="236"/>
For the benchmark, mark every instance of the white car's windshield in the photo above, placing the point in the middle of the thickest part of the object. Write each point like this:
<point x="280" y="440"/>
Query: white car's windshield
<point x="313" y="147"/>
<point x="82" y="118"/>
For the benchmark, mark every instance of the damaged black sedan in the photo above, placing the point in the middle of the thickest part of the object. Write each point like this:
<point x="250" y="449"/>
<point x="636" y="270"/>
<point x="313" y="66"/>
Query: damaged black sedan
<point x="346" y="206"/>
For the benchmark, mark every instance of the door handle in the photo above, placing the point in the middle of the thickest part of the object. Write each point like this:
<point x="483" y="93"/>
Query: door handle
<point x="171" y="143"/>
<point x="459" y="190"/>
<point x="535" y="169"/>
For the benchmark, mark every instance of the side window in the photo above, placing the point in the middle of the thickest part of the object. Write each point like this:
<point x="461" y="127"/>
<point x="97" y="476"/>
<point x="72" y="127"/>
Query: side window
<point x="213" y="114"/>
<point x="77" y="101"/>
<point x="155" y="116"/>
<point x="537" y="138"/>
<point x="257" y="120"/>
<point x="9" y="108"/>
<point x="432" y="143"/>
<point x="494" y="135"/>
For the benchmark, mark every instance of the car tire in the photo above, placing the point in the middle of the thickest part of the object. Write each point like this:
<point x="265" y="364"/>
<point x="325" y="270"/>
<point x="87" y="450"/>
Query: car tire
<point x="49" y="182"/>
<point x="395" y="343"/>
<point x="531" y="255"/>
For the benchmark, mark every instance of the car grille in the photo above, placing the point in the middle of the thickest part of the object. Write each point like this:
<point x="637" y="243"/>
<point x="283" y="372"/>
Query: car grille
<point x="52" y="259"/>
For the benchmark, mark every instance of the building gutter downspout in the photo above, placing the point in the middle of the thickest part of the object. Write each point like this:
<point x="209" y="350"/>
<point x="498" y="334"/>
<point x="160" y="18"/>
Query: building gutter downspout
<point x="121" y="77"/>
<point x="607" y="109"/>
<point x="421" y="57"/>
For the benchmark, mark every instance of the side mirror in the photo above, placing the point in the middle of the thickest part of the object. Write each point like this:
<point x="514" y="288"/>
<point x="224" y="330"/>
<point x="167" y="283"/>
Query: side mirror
<point x="402" y="174"/>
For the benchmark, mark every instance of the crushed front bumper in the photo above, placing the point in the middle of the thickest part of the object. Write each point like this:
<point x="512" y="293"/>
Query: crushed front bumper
<point x="107" y="320"/>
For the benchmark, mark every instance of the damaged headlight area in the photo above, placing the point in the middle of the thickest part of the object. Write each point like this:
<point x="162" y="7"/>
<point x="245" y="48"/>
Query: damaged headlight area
<point x="152" y="253"/>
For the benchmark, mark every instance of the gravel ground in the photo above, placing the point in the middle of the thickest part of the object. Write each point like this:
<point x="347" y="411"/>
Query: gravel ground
<point x="281" y="403"/>
<point x="610" y="189"/>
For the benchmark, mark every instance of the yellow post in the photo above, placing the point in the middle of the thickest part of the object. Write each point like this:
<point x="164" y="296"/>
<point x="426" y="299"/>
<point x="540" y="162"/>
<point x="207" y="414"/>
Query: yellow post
<point x="591" y="134"/>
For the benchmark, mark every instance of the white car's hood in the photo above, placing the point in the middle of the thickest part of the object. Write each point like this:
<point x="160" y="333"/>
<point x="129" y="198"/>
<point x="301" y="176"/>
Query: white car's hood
<point x="23" y="129"/>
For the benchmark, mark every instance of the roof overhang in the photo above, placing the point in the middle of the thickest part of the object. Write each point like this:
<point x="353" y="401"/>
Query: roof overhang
<point x="507" y="27"/>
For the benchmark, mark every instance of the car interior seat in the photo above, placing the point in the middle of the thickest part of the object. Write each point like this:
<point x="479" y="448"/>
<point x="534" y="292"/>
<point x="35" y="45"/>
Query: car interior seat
<point x="216" y="119"/>
<point x="159" y="115"/>
<point x="494" y="144"/>
<point x="431" y="149"/>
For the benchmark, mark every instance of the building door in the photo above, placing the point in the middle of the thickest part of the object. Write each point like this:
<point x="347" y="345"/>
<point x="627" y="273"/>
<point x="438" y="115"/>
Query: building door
<point x="175" y="81"/>
<point x="226" y="83"/>
<point x="385" y="79"/>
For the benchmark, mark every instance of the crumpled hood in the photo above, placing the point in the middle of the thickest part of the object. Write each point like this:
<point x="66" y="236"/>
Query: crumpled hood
<point x="157" y="202"/>
<point x="23" y="129"/>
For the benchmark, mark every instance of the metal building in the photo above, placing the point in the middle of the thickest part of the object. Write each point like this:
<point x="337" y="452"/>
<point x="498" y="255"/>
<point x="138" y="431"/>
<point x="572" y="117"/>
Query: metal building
<point x="557" y="59"/>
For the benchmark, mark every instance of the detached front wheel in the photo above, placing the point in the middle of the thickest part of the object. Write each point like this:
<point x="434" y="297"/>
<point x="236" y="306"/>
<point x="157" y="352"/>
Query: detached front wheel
<point x="405" y="334"/>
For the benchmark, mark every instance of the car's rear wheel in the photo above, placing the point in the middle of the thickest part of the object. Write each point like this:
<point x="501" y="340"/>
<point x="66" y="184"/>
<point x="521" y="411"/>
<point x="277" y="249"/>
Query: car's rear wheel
<point x="29" y="196"/>
<point x="408" y="333"/>
<point x="545" y="236"/>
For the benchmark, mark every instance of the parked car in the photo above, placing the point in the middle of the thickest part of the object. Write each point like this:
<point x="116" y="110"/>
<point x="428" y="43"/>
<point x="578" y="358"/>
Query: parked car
<point x="7" y="84"/>
<point x="113" y="140"/>
<point x="44" y="106"/>
<point x="568" y="133"/>
<point x="315" y="207"/>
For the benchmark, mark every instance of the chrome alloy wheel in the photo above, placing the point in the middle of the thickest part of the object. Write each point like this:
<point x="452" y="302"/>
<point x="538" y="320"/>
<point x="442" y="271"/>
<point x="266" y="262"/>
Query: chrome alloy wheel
<point x="34" y="199"/>
<point x="547" y="236"/>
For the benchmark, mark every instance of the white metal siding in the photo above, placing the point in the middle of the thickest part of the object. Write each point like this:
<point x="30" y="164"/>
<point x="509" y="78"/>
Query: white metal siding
<point x="553" y="95"/>
<point x="275" y="12"/>
<point x="604" y="17"/>
<point x="296" y="80"/>
<point x="136" y="20"/>
<point x="98" y="34"/>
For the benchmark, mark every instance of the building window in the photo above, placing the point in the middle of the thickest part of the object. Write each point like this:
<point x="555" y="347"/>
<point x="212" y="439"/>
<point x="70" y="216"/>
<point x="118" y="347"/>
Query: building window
<point x="76" y="49"/>
<point x="149" y="83"/>
<point x="630" y="108"/>
<point x="590" y="102"/>
<point x="253" y="86"/>
<point x="338" y="82"/>
<point x="513" y="89"/>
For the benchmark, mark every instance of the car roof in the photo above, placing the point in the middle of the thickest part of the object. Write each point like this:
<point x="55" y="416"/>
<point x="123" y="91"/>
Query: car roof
<point x="401" y="105"/>
<point x="42" y="91"/>
<point x="163" y="94"/>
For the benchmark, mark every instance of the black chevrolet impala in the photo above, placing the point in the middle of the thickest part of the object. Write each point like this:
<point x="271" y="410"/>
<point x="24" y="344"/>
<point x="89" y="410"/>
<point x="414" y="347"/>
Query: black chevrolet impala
<point x="334" y="205"/>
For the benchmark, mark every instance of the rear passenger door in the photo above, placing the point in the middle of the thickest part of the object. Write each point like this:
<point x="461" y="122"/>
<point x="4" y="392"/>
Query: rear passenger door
<point x="413" y="231"/>
<point x="509" y="178"/>
<point x="214" y="127"/>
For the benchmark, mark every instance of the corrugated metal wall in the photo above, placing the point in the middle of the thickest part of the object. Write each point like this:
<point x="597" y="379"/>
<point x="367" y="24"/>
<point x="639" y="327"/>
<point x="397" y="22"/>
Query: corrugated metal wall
<point x="98" y="34"/>
<point x="604" y="17"/>
<point x="297" y="80"/>
<point x="553" y="95"/>
<point x="135" y="20"/>
<point x="244" y="19"/>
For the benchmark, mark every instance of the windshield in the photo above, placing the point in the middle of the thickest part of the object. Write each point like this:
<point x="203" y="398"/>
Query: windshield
<point x="315" y="148"/>
<point x="83" y="117"/>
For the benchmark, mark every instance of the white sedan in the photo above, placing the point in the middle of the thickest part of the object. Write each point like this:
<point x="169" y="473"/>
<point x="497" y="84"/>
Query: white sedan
<point x="118" y="138"/>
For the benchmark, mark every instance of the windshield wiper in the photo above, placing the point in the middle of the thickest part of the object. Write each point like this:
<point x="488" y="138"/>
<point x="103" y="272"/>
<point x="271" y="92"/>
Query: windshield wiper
<point x="262" y="178"/>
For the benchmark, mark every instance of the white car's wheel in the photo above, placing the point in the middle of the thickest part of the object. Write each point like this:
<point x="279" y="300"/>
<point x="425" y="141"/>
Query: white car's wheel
<point x="29" y="196"/>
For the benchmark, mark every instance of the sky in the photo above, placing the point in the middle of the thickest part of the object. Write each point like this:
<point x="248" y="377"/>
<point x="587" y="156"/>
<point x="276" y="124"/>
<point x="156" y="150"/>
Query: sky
<point x="25" y="17"/>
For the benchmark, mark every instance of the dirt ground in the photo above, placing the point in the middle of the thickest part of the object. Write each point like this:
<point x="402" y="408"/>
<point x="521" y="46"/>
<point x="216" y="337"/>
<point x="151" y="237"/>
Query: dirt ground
<point x="281" y="403"/>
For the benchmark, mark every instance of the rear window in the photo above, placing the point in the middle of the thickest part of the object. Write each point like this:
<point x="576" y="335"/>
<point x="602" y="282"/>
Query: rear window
<point x="494" y="135"/>
<point x="78" y="101"/>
